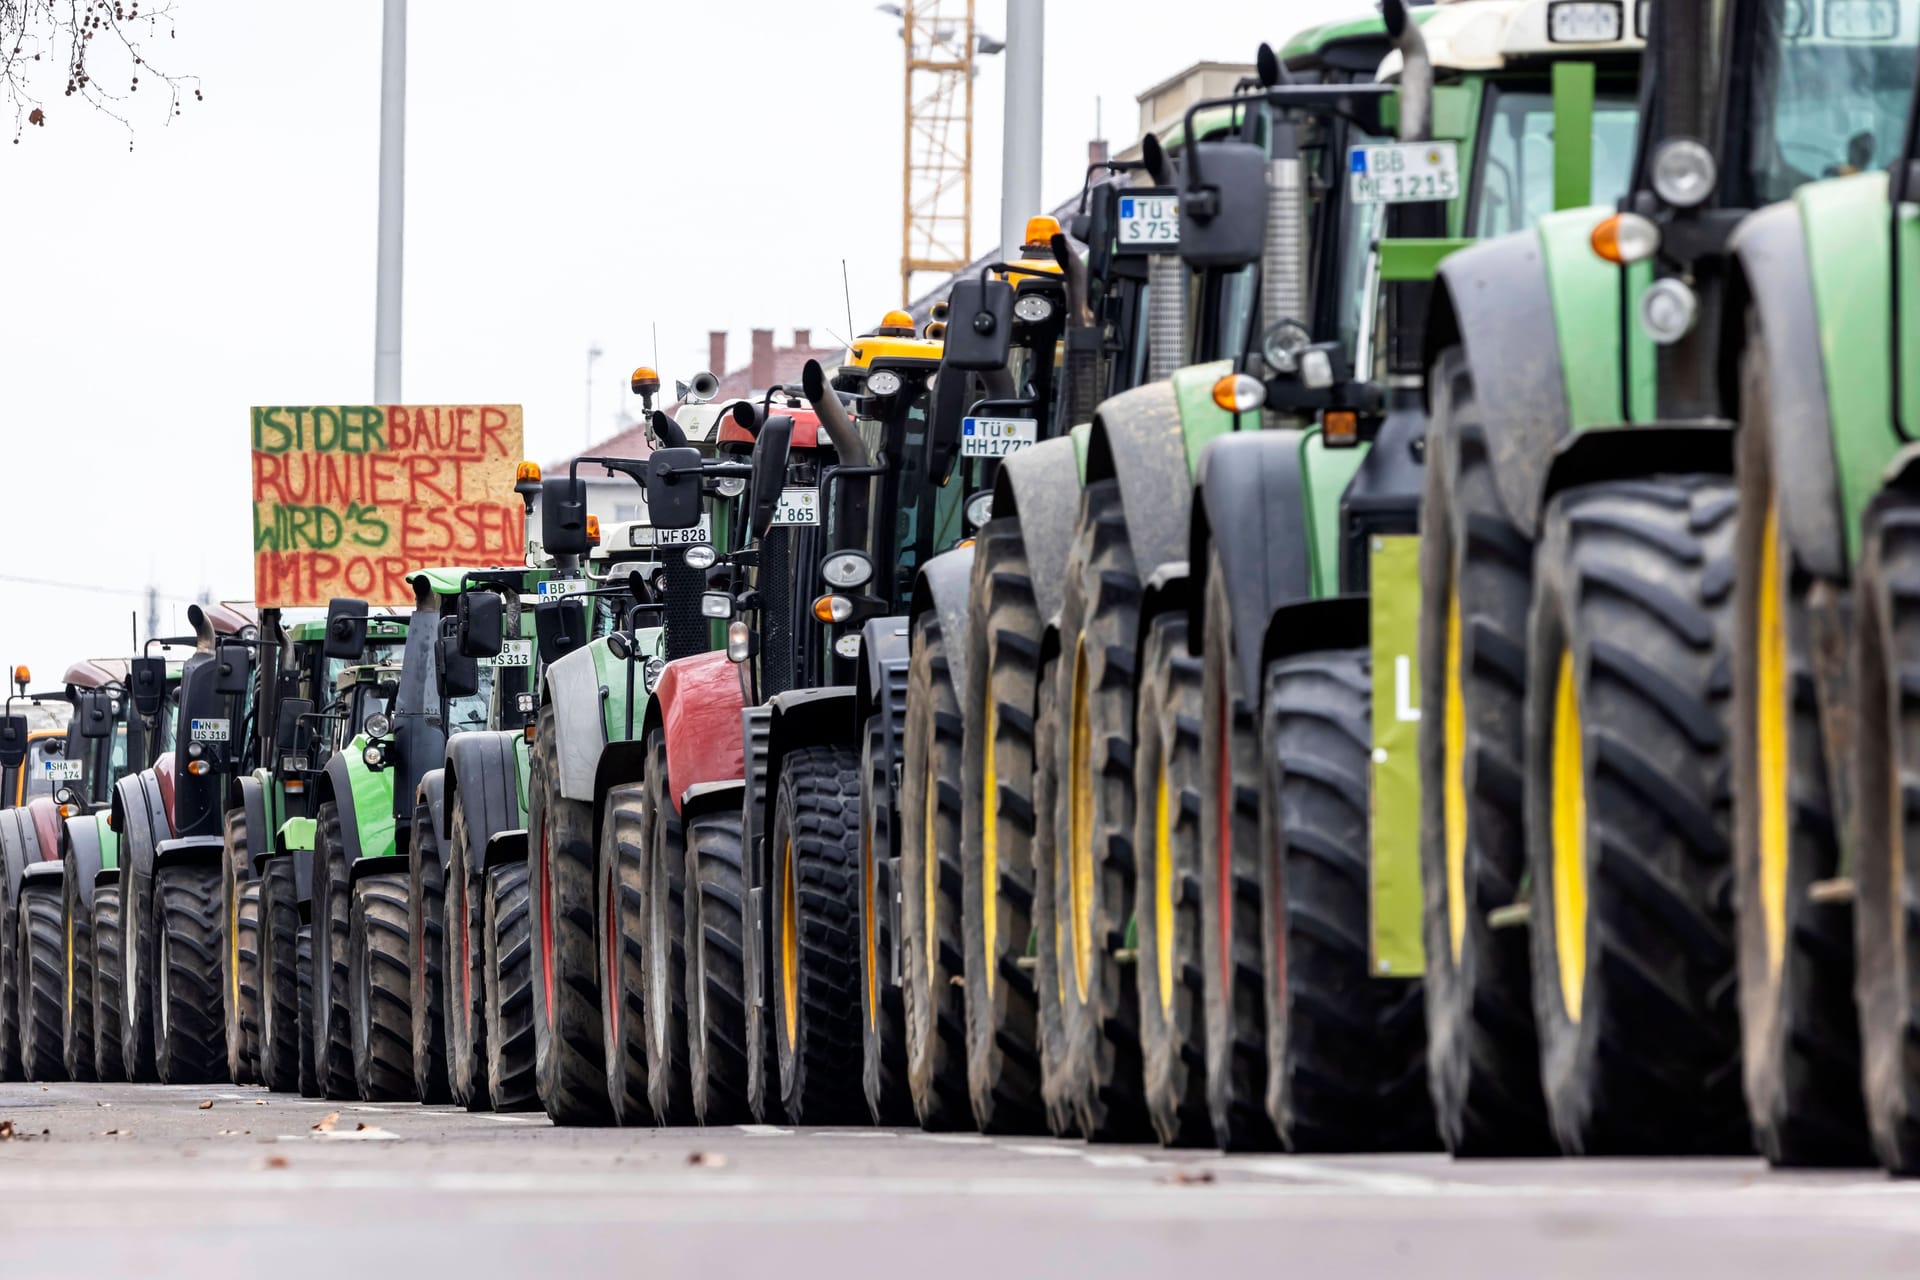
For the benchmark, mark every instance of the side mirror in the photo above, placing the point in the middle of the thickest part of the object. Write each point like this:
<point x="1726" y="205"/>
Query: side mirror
<point x="147" y="682"/>
<point x="560" y="626"/>
<point x="96" y="713"/>
<point x="673" y="488"/>
<point x="563" y="516"/>
<point x="770" y="449"/>
<point x="1223" y="206"/>
<point x="979" y="324"/>
<point x="13" y="741"/>
<point x="346" y="628"/>
<point x="286" y="727"/>
<point x="459" y="674"/>
<point x="233" y="663"/>
<point x="481" y="626"/>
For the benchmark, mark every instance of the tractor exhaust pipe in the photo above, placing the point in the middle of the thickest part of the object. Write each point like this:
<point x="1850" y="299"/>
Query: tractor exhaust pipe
<point x="1416" y="72"/>
<point x="1166" y="286"/>
<point x="833" y="416"/>
<point x="1082" y="364"/>
<point x="1283" y="260"/>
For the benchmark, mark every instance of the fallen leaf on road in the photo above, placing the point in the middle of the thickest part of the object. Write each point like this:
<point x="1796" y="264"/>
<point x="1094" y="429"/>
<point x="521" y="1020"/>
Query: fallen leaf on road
<point x="276" y="1162"/>
<point x="1190" y="1177"/>
<point x="331" y="1119"/>
<point x="114" y="1133"/>
<point x="6" y="1131"/>
<point x="706" y="1159"/>
<point x="259" y="1102"/>
<point x="207" y="1105"/>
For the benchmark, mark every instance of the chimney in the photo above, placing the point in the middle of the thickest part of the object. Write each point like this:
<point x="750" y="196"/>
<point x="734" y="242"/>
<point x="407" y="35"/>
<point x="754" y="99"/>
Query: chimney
<point x="1097" y="151"/>
<point x="717" y="352"/>
<point x="802" y="339"/>
<point x="760" y="374"/>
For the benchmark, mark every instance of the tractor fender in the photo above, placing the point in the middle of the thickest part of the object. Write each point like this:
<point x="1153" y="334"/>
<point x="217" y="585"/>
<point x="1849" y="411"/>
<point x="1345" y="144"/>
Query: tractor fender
<point x="1137" y="440"/>
<point x="190" y="851"/>
<point x="1903" y="469"/>
<point x="431" y="795"/>
<point x="1493" y="299"/>
<point x="83" y="837"/>
<point x="620" y="763"/>
<point x="754" y="725"/>
<point x="1041" y="486"/>
<point x="1772" y="272"/>
<point x="13" y="853"/>
<point x="711" y="797"/>
<point x="801" y="718"/>
<point x="504" y="848"/>
<point x="383" y="864"/>
<point x="483" y="783"/>
<point x="1168" y="589"/>
<point x="339" y="789"/>
<point x="580" y="729"/>
<point x="885" y="650"/>
<point x="43" y="873"/>
<point x="1308" y="626"/>
<point x="140" y="816"/>
<point x="253" y="803"/>
<point x="1252" y="516"/>
<point x="44" y="816"/>
<point x="1601" y="454"/>
<point x="945" y="586"/>
<point x="700" y="700"/>
<point x="163" y="777"/>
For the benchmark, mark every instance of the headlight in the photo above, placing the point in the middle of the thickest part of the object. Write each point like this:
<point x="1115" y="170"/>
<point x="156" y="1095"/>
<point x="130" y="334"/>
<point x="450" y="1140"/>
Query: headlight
<point x="1316" y="369"/>
<point x="1281" y="345"/>
<point x="651" y="672"/>
<point x="374" y="756"/>
<point x="378" y="726"/>
<point x="195" y="751"/>
<point x="1683" y="172"/>
<point x="699" y="556"/>
<point x="63" y="797"/>
<point x="883" y="382"/>
<point x="848" y="646"/>
<point x="524" y="703"/>
<point x="1034" y="308"/>
<point x="1667" y="311"/>
<point x="846" y="569"/>
<point x="739" y="642"/>
<point x="1585" y="21"/>
<point x="716" y="604"/>
<point x="730" y="486"/>
<point x="979" y="508"/>
<point x="249" y="633"/>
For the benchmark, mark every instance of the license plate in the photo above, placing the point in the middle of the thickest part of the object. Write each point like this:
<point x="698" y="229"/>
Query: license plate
<point x="209" y="730"/>
<point x="798" y="506"/>
<point x="554" y="587"/>
<point x="996" y="437"/>
<point x="65" y="770"/>
<point x="642" y="535"/>
<point x="1149" y="222"/>
<point x="514" y="653"/>
<point x="1403" y="172"/>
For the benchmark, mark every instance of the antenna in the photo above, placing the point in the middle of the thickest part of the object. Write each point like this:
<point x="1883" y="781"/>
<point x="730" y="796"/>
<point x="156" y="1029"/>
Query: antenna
<point x="133" y="622"/>
<point x="656" y="344"/>
<point x="847" y="289"/>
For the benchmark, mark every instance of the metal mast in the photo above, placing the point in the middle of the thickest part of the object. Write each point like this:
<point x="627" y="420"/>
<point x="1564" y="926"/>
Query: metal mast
<point x="393" y="171"/>
<point x="936" y="223"/>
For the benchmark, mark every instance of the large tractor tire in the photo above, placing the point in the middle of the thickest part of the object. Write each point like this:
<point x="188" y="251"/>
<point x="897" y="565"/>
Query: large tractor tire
<point x="883" y="1018"/>
<point x="465" y="999"/>
<point x="138" y="961"/>
<point x="280" y="1023"/>
<point x="1887" y="869"/>
<point x="242" y="1026"/>
<point x="378" y="949"/>
<point x="933" y="998"/>
<point x="507" y="962"/>
<point x="37" y="951"/>
<point x="426" y="959"/>
<point x="1233" y="959"/>
<point x="108" y="1062"/>
<point x="303" y="980"/>
<point x="248" y="953"/>
<point x="997" y="834"/>
<point x="1627" y="812"/>
<point x="816" y="970"/>
<point x="331" y="1031"/>
<point x="9" y="990"/>
<point x="570" y="1066"/>
<point x="1800" y="1041"/>
<point x="1346" y="1050"/>
<point x="1093" y="709"/>
<point x="1049" y="959"/>
<point x="1476" y="585"/>
<point x="1167" y="786"/>
<point x="189" y="1041"/>
<point x="663" y="957"/>
<point x="717" y="995"/>
<point x="76" y="1009"/>
<point x="625" y="839"/>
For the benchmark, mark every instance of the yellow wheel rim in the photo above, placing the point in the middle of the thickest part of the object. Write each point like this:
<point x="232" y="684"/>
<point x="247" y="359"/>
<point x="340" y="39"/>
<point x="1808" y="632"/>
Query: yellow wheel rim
<point x="69" y="960"/>
<point x="990" y="846"/>
<point x="1080" y="822"/>
<point x="1772" y="717"/>
<point x="1453" y="785"/>
<point x="930" y="869"/>
<point x="1569" y="841"/>
<point x="1163" y="888"/>
<point x="866" y="924"/>
<point x="233" y="947"/>
<point x="790" y="947"/>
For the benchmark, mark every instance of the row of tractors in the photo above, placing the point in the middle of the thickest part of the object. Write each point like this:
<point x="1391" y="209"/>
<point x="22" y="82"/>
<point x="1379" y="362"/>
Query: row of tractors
<point x="1394" y="622"/>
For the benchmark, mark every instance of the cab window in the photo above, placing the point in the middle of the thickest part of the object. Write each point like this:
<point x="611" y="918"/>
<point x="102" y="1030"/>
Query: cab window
<point x="1515" y="161"/>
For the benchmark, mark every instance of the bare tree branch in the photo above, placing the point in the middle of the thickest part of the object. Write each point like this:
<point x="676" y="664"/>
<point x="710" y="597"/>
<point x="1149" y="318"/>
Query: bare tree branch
<point x="40" y="38"/>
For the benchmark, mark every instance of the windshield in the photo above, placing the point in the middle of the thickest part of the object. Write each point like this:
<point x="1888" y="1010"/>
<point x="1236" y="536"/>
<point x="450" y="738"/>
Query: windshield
<point x="1829" y="91"/>
<point x="469" y="713"/>
<point x="39" y="752"/>
<point x="927" y="519"/>
<point x="168" y="715"/>
<point x="1516" y="157"/>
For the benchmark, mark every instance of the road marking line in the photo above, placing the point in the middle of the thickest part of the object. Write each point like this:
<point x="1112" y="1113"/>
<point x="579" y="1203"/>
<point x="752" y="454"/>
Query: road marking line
<point x="1118" y="1161"/>
<point x="763" y="1130"/>
<point x="500" y="1119"/>
<point x="955" y="1139"/>
<point x="1035" y="1150"/>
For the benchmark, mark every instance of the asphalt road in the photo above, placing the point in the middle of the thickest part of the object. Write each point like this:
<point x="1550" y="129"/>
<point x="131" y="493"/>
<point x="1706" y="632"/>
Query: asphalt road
<point x="148" y="1182"/>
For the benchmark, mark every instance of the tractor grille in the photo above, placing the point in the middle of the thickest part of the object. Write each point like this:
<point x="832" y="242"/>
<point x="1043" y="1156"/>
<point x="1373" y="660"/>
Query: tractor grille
<point x="686" y="626"/>
<point x="778" y="660"/>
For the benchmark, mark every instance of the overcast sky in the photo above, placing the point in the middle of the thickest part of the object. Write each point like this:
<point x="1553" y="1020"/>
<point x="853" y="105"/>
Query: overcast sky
<point x="576" y="172"/>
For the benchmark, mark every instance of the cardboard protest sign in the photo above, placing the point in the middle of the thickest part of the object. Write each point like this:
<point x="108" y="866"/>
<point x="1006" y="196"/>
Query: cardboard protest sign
<point x="348" y="500"/>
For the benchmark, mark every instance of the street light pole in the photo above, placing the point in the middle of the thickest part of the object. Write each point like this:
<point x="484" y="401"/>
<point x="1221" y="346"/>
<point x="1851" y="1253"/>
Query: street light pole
<point x="1020" y="154"/>
<point x="393" y="177"/>
<point x="593" y="357"/>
